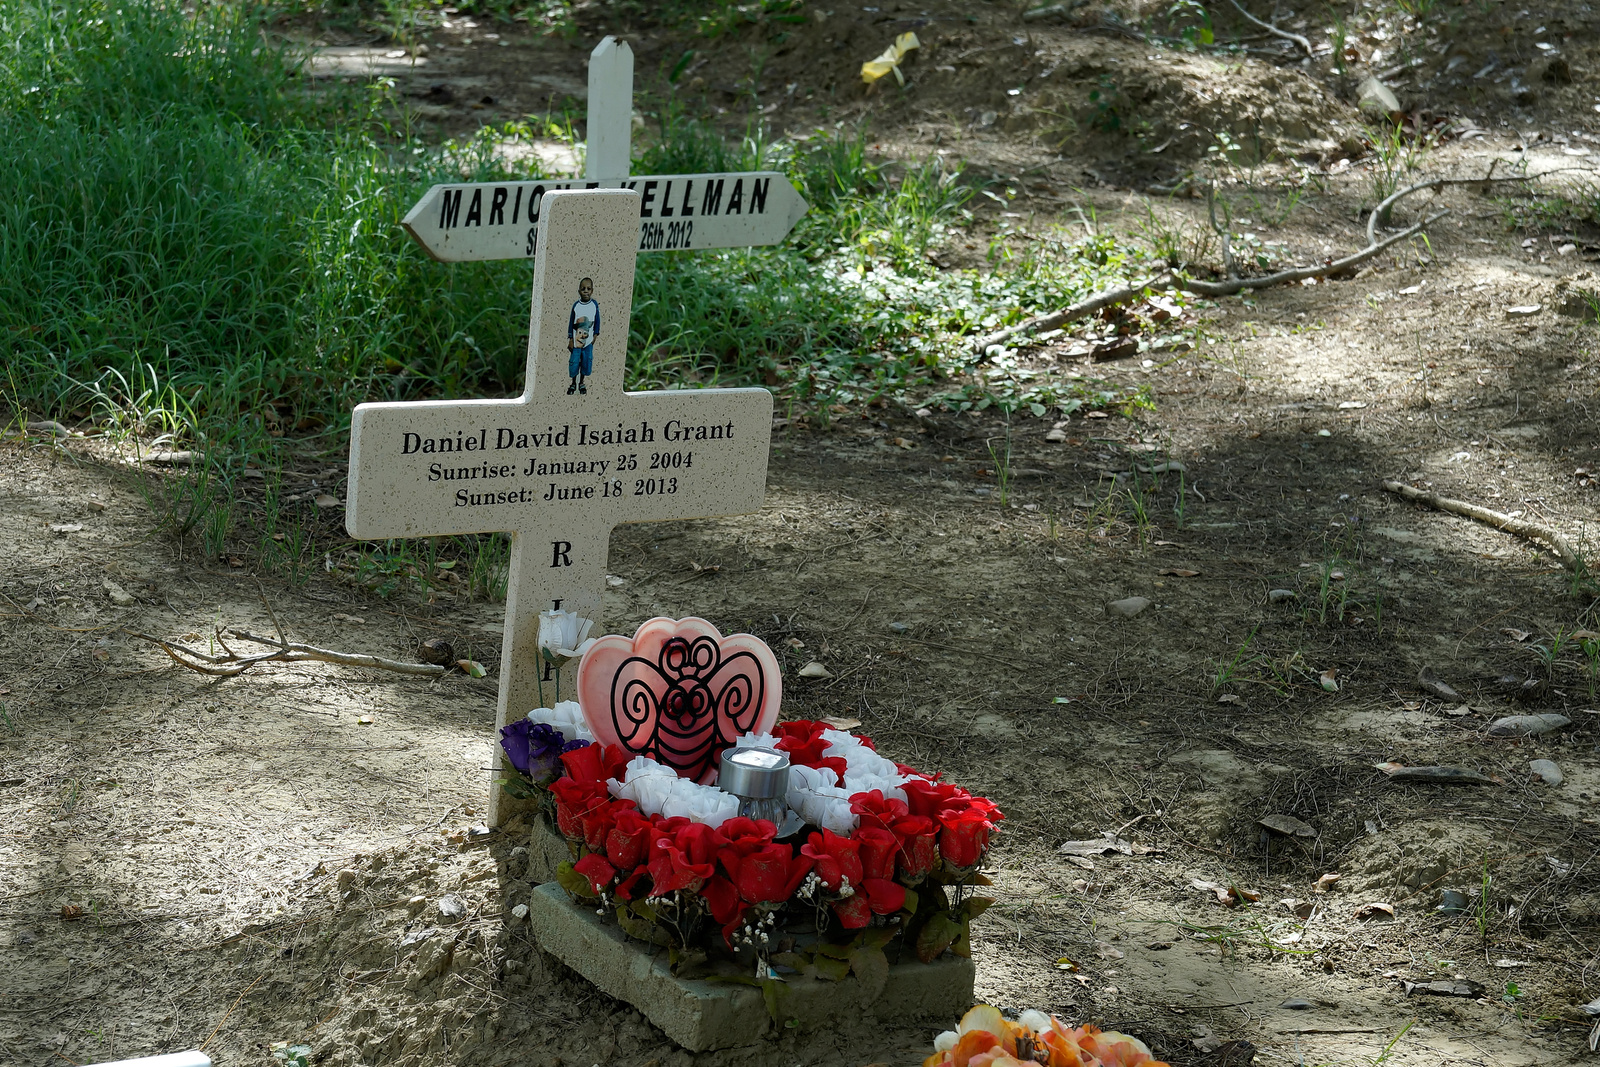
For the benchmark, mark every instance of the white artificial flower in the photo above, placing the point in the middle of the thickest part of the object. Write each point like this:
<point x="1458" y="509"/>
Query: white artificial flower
<point x="657" y="790"/>
<point x="1035" y="1020"/>
<point x="819" y="801"/>
<point x="567" y="717"/>
<point x="864" y="769"/>
<point x="756" y="741"/>
<point x="946" y="1041"/>
<point x="563" y="633"/>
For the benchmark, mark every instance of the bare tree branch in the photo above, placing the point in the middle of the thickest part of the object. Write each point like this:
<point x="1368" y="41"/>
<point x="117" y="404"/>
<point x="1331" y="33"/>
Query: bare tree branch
<point x="1082" y="309"/>
<point x="1270" y="28"/>
<point x="1499" y="520"/>
<point x="232" y="663"/>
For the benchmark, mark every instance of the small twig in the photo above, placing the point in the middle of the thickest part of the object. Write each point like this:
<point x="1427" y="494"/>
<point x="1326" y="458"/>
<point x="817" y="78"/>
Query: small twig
<point x="236" y="1003"/>
<point x="347" y="659"/>
<point x="1380" y="214"/>
<point x="1499" y="520"/>
<point x="283" y="641"/>
<point x="1081" y="309"/>
<point x="1299" y="273"/>
<point x="1270" y="28"/>
<point x="226" y="666"/>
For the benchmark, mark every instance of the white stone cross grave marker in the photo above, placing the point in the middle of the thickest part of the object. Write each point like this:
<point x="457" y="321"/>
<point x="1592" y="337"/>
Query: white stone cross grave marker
<point x="499" y="220"/>
<point x="571" y="458"/>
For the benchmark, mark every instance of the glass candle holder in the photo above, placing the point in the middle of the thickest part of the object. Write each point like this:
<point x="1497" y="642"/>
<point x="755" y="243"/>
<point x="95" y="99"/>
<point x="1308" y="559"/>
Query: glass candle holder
<point x="759" y="777"/>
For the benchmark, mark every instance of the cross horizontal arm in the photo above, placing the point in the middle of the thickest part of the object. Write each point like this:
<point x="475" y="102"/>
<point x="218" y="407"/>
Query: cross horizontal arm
<point x="481" y="221"/>
<point x="481" y="466"/>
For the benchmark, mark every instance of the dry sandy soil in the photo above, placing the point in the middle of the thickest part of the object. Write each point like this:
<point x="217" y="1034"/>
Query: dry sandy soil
<point x="244" y="861"/>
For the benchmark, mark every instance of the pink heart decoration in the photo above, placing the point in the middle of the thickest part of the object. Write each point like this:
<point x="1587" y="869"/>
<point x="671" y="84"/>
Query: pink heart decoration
<point x="679" y="692"/>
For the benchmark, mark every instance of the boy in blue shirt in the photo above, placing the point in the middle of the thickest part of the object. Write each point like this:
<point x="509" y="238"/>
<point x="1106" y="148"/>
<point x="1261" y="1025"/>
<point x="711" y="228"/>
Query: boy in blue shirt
<point x="583" y="327"/>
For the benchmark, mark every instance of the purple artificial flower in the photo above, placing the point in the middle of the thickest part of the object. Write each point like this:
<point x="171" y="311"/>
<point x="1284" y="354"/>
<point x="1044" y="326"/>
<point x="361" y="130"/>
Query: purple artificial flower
<point x="515" y="740"/>
<point x="576" y="744"/>
<point x="545" y="745"/>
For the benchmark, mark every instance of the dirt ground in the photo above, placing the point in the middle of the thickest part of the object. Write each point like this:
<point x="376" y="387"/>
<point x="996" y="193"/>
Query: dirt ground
<point x="244" y="861"/>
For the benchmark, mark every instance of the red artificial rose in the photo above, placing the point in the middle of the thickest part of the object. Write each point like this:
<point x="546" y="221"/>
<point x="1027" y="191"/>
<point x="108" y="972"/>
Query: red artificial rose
<point x="585" y="764"/>
<point x="670" y="869"/>
<point x="747" y="835"/>
<point x="626" y="888"/>
<point x="855" y="912"/>
<point x="770" y="875"/>
<point x="615" y="761"/>
<point x="964" y="837"/>
<point x="723" y="899"/>
<point x="628" y="841"/>
<point x="919" y="848"/>
<point x="836" y="858"/>
<point x="574" y="799"/>
<point x="878" y="850"/>
<point x="595" y="868"/>
<point x="878" y="810"/>
<point x="925" y="797"/>
<point x="802" y="740"/>
<point x="699" y="842"/>
<point x="884" y="896"/>
<point x="597" y="823"/>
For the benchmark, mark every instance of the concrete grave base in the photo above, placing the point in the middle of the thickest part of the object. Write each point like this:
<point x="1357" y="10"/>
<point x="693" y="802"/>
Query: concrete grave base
<point x="701" y="1015"/>
<point x="547" y="850"/>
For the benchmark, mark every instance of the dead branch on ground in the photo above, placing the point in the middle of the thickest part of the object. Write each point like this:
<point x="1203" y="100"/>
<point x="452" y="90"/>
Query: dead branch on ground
<point x="1499" y="520"/>
<point x="1082" y="309"/>
<point x="1089" y="305"/>
<point x="231" y="663"/>
<point x="1270" y="28"/>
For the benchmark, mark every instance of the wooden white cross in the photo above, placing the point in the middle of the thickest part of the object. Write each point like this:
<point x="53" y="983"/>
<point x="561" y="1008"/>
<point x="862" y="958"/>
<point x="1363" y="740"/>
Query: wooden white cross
<point x="557" y="467"/>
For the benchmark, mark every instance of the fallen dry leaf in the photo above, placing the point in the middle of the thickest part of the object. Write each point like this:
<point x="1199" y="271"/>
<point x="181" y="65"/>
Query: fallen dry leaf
<point x="840" y="722"/>
<point x="1229" y="698"/>
<point x="1515" y="634"/>
<point x="1377" y="909"/>
<point x="473" y="667"/>
<point x="71" y="911"/>
<point x="1325" y="883"/>
<point x="1179" y="572"/>
<point x="815" y="670"/>
<point x="1329" y="679"/>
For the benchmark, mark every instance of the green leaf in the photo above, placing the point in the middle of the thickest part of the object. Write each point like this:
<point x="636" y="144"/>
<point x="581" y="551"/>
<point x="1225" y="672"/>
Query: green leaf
<point x="871" y="969"/>
<point x="636" y="927"/>
<point x="962" y="946"/>
<point x="830" y="969"/>
<point x="772" y="991"/>
<point x="687" y="963"/>
<point x="838" y="952"/>
<point x="518" y="787"/>
<point x="574" y="883"/>
<point x="911" y="902"/>
<point x="973" y="907"/>
<point x="876" y="936"/>
<point x="936" y="935"/>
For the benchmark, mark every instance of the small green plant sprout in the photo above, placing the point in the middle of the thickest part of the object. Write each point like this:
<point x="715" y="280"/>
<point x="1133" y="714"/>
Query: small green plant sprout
<point x="1002" y="466"/>
<point x="1589" y="642"/>
<point x="291" y="1055"/>
<point x="1228" y="670"/>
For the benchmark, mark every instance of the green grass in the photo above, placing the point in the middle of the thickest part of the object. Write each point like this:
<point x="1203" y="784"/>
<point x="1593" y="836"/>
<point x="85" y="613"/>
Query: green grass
<point x="200" y="250"/>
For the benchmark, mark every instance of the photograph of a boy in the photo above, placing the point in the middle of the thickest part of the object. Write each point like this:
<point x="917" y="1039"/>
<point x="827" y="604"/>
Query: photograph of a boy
<point x="583" y="328"/>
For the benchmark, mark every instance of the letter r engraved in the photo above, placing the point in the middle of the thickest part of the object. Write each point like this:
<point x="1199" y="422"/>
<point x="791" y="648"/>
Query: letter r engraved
<point x="563" y="554"/>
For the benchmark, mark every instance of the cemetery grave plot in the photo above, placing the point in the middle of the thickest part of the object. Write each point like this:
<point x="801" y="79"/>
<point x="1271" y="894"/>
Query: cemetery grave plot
<point x="247" y="862"/>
